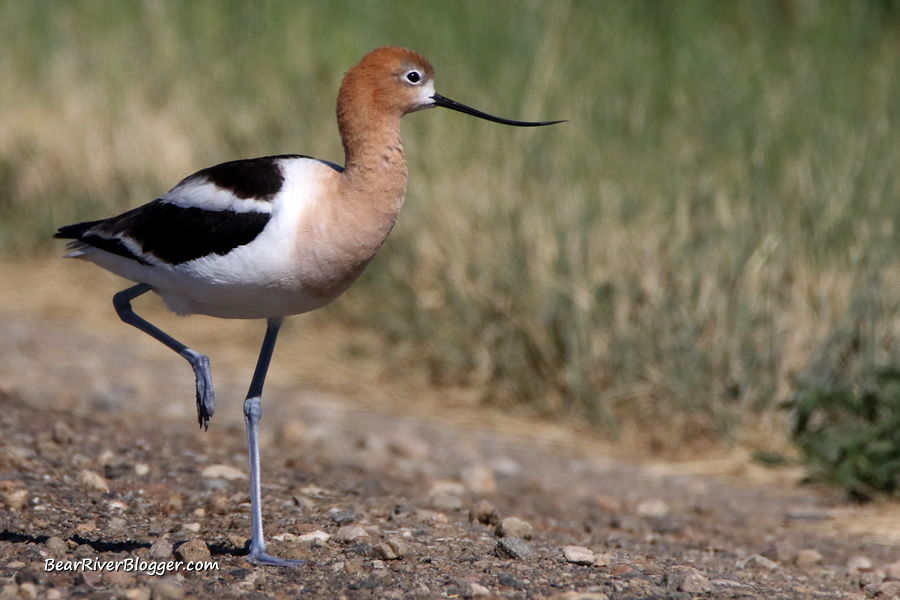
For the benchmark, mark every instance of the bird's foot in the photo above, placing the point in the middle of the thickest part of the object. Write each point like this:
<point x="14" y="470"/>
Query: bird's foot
<point x="259" y="556"/>
<point x="206" y="396"/>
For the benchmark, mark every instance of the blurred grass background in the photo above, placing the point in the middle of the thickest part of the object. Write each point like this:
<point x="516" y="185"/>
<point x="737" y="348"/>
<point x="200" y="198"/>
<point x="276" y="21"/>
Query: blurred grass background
<point x="714" y="223"/>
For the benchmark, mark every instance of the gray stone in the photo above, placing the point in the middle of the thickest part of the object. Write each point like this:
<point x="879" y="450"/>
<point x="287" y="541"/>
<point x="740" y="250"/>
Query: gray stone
<point x="513" y="547"/>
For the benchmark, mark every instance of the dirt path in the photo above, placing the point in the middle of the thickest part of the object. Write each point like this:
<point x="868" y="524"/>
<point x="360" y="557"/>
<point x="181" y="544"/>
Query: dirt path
<point x="381" y="492"/>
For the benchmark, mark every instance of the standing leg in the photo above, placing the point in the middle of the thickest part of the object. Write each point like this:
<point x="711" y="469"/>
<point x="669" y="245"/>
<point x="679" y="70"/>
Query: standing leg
<point x="206" y="399"/>
<point x="252" y="413"/>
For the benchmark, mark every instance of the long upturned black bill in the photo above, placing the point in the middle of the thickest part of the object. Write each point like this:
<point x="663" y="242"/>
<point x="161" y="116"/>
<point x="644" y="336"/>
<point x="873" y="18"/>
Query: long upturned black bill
<point x="454" y="105"/>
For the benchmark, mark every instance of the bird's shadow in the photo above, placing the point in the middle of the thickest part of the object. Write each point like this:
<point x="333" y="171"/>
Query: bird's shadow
<point x="101" y="546"/>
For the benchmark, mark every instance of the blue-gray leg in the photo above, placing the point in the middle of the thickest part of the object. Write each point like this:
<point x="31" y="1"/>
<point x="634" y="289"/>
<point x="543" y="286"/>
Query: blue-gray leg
<point x="252" y="413"/>
<point x="206" y="399"/>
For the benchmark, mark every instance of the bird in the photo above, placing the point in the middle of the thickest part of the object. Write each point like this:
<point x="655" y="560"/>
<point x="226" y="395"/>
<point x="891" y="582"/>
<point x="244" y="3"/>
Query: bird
<point x="271" y="237"/>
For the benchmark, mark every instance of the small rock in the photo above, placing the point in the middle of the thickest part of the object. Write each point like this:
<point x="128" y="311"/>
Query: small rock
<point x="62" y="433"/>
<point x="513" y="547"/>
<point x="858" y="564"/>
<point x="313" y="536"/>
<point x="84" y="551"/>
<point x="15" y="499"/>
<point x="484" y="512"/>
<point x="688" y="579"/>
<point x="166" y="590"/>
<point x="757" y="561"/>
<point x="193" y="551"/>
<point x="342" y="517"/>
<point x="350" y="533"/>
<point x="808" y="557"/>
<point x="476" y="590"/>
<point x="137" y="594"/>
<point x="28" y="590"/>
<point x="56" y="544"/>
<point x="117" y="505"/>
<point x="93" y="481"/>
<point x="53" y="594"/>
<point x="889" y="589"/>
<point x="652" y="508"/>
<point x="192" y="527"/>
<point x="116" y="524"/>
<point x="515" y="527"/>
<point x="391" y="549"/>
<point x="141" y="469"/>
<point x="578" y="555"/>
<point x="86" y="527"/>
<point x="161" y="549"/>
<point x="223" y="472"/>
<point x="508" y="580"/>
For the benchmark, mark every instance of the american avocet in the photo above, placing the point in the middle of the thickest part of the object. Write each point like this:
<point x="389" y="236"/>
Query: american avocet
<point x="269" y="237"/>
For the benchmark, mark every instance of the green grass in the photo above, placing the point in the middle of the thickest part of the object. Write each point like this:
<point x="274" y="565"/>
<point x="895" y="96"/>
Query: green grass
<point x="671" y="257"/>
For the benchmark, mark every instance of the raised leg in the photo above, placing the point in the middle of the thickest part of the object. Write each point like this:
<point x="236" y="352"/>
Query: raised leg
<point x="206" y="399"/>
<point x="252" y="413"/>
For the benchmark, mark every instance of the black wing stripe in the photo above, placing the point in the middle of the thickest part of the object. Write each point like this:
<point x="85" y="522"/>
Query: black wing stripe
<point x="177" y="235"/>
<point x="171" y="233"/>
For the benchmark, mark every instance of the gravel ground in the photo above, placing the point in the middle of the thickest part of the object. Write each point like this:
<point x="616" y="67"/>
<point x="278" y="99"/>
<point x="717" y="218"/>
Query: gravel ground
<point x="101" y="462"/>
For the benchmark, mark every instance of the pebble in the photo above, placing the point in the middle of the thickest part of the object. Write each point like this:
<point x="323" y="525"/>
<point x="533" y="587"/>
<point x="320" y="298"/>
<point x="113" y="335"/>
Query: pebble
<point x="166" y="590"/>
<point x="857" y="564"/>
<point x="193" y="551"/>
<point x="652" y="508"/>
<point x="349" y="533"/>
<point x="192" y="527"/>
<point x="223" y="472"/>
<point x="15" y="499"/>
<point x="86" y="527"/>
<point x="578" y="555"/>
<point x="688" y="579"/>
<point x="84" y="551"/>
<point x="515" y="527"/>
<point x="116" y="524"/>
<point x="513" y="547"/>
<point x="505" y="579"/>
<point x="476" y="590"/>
<point x="484" y="512"/>
<point x="888" y="589"/>
<point x="93" y="481"/>
<point x="342" y="517"/>
<point x="141" y="469"/>
<point x="808" y="557"/>
<point x="56" y="544"/>
<point x="757" y="561"/>
<point x="161" y="549"/>
<point x="313" y="536"/>
<point x="62" y="433"/>
<point x="391" y="549"/>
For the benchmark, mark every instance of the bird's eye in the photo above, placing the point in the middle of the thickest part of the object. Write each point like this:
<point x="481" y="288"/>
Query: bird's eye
<point x="413" y="77"/>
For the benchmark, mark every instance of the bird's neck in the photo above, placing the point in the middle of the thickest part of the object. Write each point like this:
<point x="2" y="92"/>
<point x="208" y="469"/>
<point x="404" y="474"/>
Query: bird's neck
<point x="374" y="177"/>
